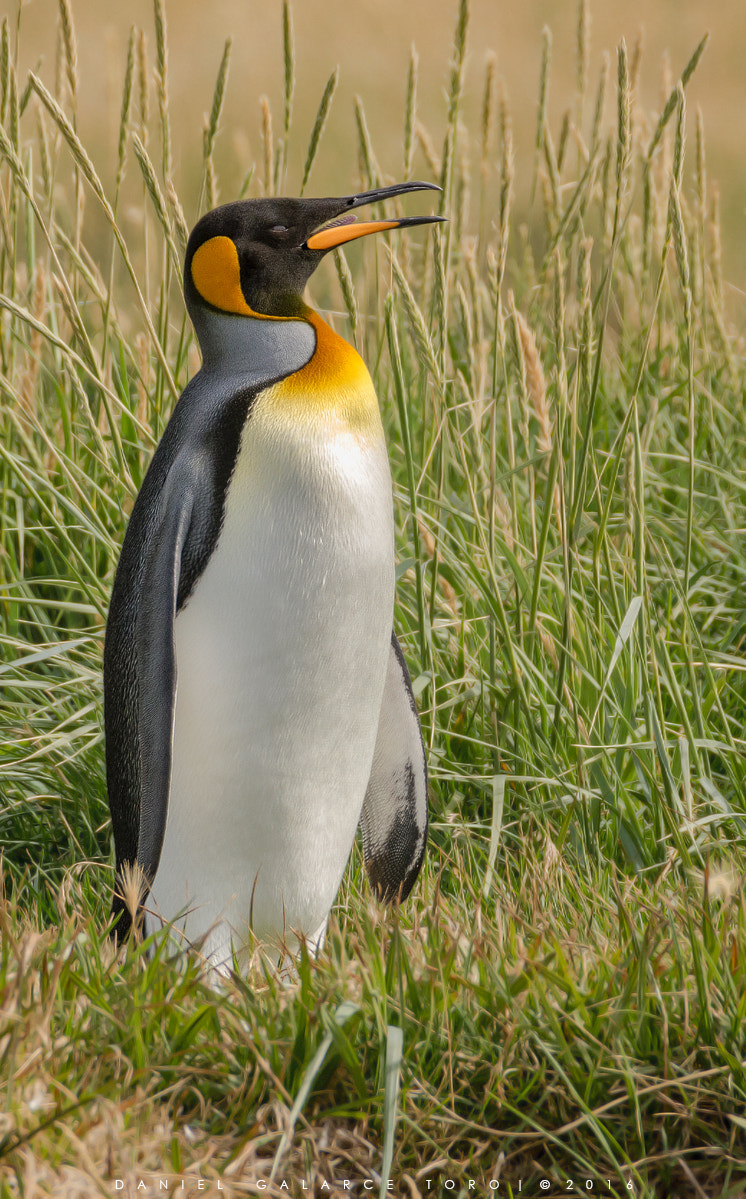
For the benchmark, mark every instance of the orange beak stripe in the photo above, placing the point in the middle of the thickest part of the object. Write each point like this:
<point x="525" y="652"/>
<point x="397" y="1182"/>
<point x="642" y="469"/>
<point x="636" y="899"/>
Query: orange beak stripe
<point x="326" y="239"/>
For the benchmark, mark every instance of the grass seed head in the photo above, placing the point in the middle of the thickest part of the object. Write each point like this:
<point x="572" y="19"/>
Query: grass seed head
<point x="535" y="381"/>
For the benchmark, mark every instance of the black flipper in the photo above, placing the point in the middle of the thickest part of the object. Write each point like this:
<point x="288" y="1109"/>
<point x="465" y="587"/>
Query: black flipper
<point x="140" y="678"/>
<point x="157" y="677"/>
<point x="394" y="816"/>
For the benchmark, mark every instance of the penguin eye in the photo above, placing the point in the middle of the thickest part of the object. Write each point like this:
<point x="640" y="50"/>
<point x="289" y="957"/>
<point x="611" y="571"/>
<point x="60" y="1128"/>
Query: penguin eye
<point x="279" y="232"/>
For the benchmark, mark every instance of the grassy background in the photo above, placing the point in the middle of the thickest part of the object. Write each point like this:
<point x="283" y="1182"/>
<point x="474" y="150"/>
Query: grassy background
<point x="563" y="394"/>
<point x="371" y="44"/>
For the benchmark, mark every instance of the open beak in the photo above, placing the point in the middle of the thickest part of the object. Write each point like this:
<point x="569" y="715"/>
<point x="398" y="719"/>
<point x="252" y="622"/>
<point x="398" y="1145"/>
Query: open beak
<point x="345" y="227"/>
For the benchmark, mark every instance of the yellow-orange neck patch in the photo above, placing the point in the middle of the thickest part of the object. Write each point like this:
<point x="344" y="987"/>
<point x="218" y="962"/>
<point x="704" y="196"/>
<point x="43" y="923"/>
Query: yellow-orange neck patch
<point x="335" y="381"/>
<point x="334" y="362"/>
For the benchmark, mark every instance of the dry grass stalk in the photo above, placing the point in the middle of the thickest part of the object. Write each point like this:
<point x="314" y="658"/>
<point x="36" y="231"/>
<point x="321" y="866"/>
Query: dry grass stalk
<point x="143" y="381"/>
<point x="161" y="45"/>
<point x="552" y="860"/>
<point x="520" y="363"/>
<point x="427" y="146"/>
<point x="536" y="384"/>
<point x="506" y="178"/>
<point x="473" y="393"/>
<point x="462" y="196"/>
<point x="624" y="128"/>
<point x="541" y="111"/>
<point x="679" y="144"/>
<point x="288" y="48"/>
<point x="410" y="112"/>
<point x="372" y="173"/>
<point x="69" y="53"/>
<point x="716" y="249"/>
<point x="440" y="293"/>
<point x="31" y="363"/>
<point x="432" y="551"/>
<point x="559" y="317"/>
<point x="630" y="499"/>
<point x="647" y="222"/>
<point x="125" y="111"/>
<point x="211" y="125"/>
<point x="153" y="189"/>
<point x="553" y="180"/>
<point x="488" y="111"/>
<point x="143" y="89"/>
<point x="502" y="515"/>
<point x="320" y="123"/>
<point x="479" y="300"/>
<point x="132" y="887"/>
<point x="587" y="339"/>
<point x="676" y="219"/>
<point x="548" y="642"/>
<point x="605" y="185"/>
<point x="45" y="159"/>
<point x="701" y="170"/>
<point x="564" y="137"/>
<point x="177" y="212"/>
<point x="194" y="359"/>
<point x="417" y="322"/>
<point x="4" y="66"/>
<point x="348" y="293"/>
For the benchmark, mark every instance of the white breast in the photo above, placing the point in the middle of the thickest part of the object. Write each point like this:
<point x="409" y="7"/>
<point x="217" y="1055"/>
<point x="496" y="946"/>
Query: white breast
<point x="281" y="655"/>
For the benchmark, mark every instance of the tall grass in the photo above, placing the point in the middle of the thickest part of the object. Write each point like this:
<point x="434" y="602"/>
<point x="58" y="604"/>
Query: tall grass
<point x="563" y="996"/>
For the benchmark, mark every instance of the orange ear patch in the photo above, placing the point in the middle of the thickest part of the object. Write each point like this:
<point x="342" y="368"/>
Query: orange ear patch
<point x="216" y="274"/>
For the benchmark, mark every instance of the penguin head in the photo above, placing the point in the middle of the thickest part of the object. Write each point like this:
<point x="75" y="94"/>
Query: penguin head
<point x="254" y="257"/>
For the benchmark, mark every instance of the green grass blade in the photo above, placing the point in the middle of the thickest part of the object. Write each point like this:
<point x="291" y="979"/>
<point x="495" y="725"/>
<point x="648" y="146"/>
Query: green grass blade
<point x="394" y="1047"/>
<point x="318" y="126"/>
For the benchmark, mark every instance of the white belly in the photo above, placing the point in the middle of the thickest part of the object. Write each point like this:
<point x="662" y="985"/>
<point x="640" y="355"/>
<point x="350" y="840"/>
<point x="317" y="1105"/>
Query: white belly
<point x="281" y="655"/>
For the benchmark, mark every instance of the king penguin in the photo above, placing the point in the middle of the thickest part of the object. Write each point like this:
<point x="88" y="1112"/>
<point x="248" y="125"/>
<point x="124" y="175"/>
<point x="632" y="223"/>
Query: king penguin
<point x="257" y="704"/>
